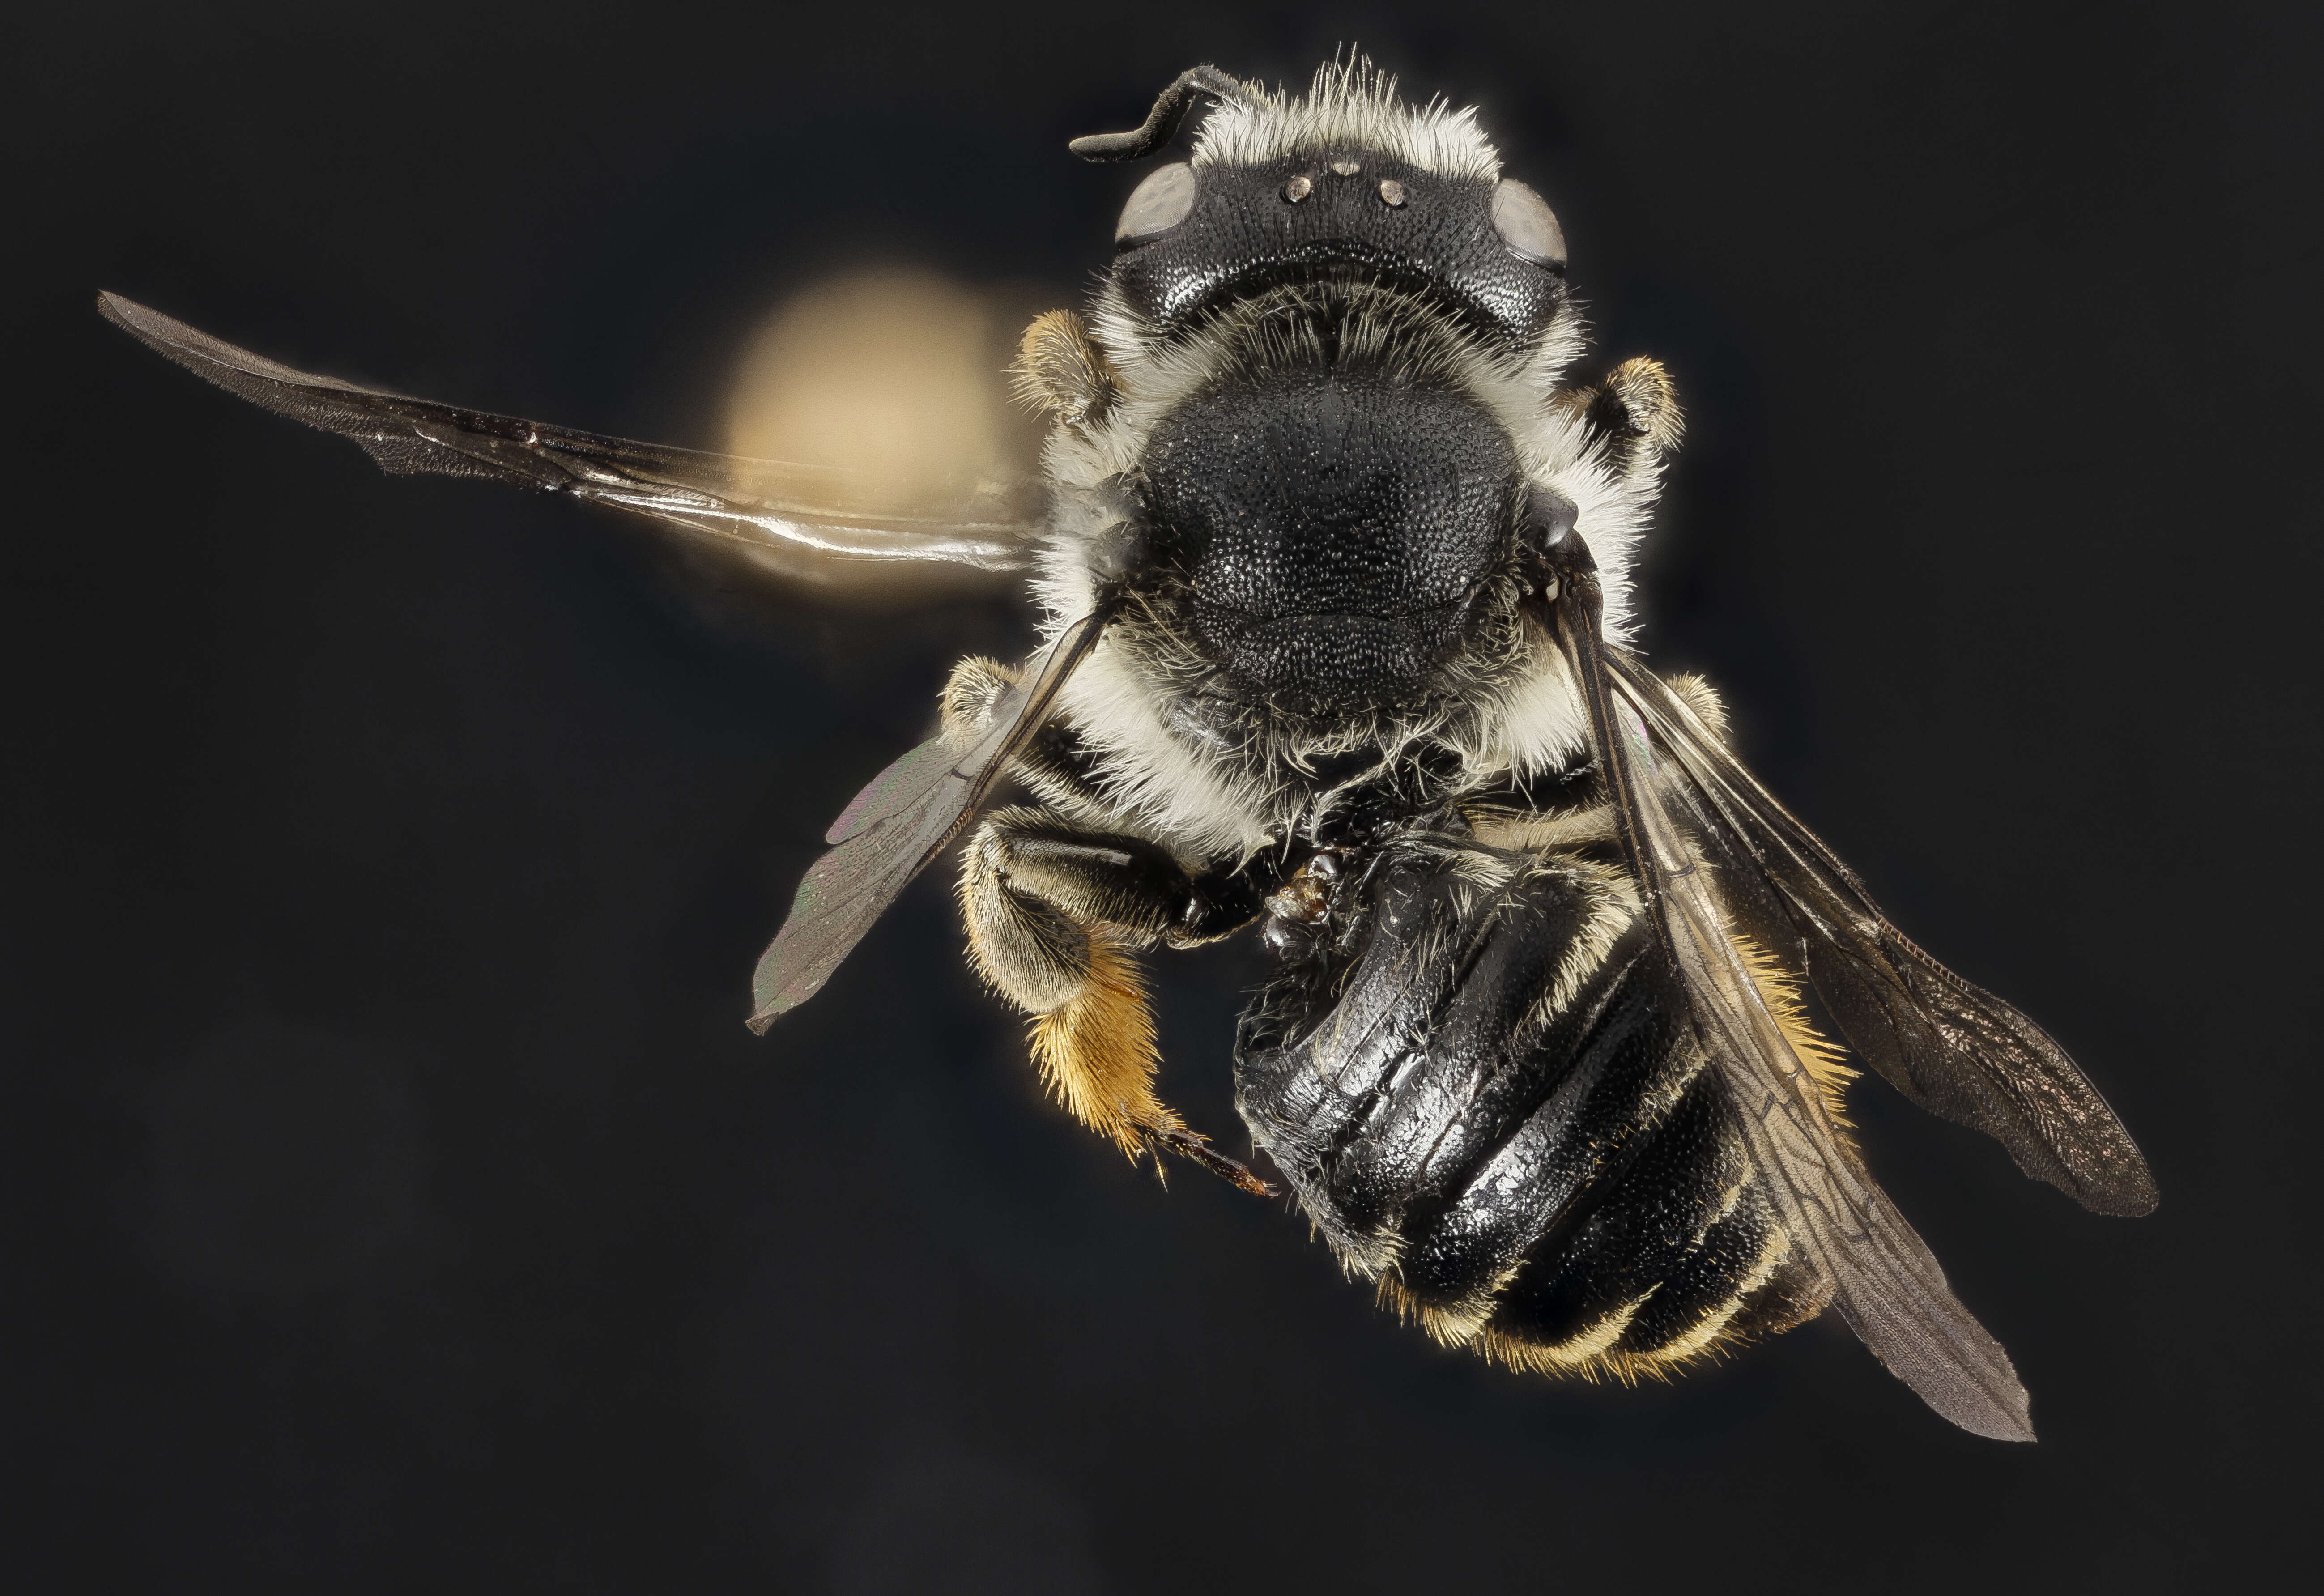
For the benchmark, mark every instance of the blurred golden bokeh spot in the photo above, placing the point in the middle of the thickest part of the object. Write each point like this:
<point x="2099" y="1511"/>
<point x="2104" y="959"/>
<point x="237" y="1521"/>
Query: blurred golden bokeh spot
<point x="891" y="374"/>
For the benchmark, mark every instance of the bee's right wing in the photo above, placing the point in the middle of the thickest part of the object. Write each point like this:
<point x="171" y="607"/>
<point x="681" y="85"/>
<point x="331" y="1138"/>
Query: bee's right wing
<point x="787" y="513"/>
<point x="896" y="826"/>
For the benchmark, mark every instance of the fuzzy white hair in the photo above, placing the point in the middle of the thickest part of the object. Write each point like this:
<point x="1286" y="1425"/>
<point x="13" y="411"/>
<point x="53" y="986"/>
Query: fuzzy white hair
<point x="1350" y="105"/>
<point x="1528" y="724"/>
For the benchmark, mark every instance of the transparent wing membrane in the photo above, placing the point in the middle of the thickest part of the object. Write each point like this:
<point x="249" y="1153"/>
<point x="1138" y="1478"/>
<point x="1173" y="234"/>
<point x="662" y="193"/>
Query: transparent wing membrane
<point x="1949" y="1046"/>
<point x="898" y="824"/>
<point x="793" y="513"/>
<point x="1883" y="1278"/>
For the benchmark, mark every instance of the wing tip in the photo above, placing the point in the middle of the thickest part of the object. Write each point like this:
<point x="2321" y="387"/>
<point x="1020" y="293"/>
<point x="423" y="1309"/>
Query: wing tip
<point x="2014" y="1426"/>
<point x="1992" y="1402"/>
<point x="775" y="987"/>
<point x="195" y="350"/>
<point x="142" y="321"/>
<point x="2131" y="1199"/>
<point x="2126" y="1191"/>
<point x="770" y="1002"/>
<point x="124" y="313"/>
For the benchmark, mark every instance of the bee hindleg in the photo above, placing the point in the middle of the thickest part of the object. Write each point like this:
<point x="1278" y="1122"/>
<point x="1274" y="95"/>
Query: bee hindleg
<point x="1054" y="914"/>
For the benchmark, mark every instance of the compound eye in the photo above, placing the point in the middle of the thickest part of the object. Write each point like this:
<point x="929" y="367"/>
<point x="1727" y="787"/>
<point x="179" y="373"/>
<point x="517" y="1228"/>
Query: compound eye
<point x="1157" y="205"/>
<point x="1526" y="225"/>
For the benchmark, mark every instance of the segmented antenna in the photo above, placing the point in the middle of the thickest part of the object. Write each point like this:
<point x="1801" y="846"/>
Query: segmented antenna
<point x="1162" y="122"/>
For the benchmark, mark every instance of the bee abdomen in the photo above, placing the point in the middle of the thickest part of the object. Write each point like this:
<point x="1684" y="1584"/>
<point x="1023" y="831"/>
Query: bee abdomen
<point x="1487" y="1100"/>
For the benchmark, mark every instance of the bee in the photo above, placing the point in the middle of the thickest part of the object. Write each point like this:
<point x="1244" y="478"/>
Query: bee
<point x="1333" y="555"/>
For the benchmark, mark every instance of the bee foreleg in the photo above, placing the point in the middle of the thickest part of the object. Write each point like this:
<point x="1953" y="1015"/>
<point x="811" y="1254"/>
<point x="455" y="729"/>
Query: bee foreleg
<point x="1061" y="369"/>
<point x="1053" y="916"/>
<point x="1634" y="413"/>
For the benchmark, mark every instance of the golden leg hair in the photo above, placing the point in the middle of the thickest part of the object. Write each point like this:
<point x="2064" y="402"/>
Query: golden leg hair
<point x="1053" y="915"/>
<point x="1097" y="1053"/>
<point x="1093" y="1034"/>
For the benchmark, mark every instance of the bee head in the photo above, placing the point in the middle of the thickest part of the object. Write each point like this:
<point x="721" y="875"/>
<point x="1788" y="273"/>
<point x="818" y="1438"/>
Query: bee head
<point x="1348" y="181"/>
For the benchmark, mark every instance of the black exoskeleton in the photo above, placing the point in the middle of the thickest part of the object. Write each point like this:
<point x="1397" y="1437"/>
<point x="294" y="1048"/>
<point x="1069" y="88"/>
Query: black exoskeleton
<point x="1487" y="1098"/>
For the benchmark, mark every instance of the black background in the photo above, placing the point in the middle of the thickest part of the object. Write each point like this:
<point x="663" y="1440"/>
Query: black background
<point x="392" y="1195"/>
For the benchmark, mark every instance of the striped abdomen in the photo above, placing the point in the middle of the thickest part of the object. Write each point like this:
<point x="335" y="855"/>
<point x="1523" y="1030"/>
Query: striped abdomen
<point x="1479" y="1081"/>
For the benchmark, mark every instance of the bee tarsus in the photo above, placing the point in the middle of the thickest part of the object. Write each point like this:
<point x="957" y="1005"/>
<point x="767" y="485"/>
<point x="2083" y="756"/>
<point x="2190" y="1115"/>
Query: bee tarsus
<point x="1191" y="1145"/>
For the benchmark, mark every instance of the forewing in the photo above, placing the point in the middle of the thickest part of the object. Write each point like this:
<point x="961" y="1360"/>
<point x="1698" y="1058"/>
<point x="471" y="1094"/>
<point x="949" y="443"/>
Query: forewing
<point x="900" y="823"/>
<point x="787" y="511"/>
<point x="1884" y="1279"/>
<point x="1947" y="1045"/>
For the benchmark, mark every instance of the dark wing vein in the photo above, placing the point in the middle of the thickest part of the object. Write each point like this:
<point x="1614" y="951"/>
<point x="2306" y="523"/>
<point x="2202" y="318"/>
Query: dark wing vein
<point x="769" y="505"/>
<point x="1947" y="1045"/>
<point x="907" y="814"/>
<point x="1884" y="1279"/>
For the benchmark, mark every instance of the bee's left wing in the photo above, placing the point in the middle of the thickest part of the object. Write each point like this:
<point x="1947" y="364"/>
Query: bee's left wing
<point x="896" y="826"/>
<point x="1948" y="1044"/>
<point x="1843" y="1227"/>
<point x="786" y="513"/>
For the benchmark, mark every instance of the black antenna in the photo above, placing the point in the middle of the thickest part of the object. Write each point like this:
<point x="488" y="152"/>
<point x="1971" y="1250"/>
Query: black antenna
<point x="1162" y="122"/>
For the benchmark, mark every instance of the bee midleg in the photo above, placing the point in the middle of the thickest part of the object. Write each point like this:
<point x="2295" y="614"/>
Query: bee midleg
<point x="1055" y="913"/>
